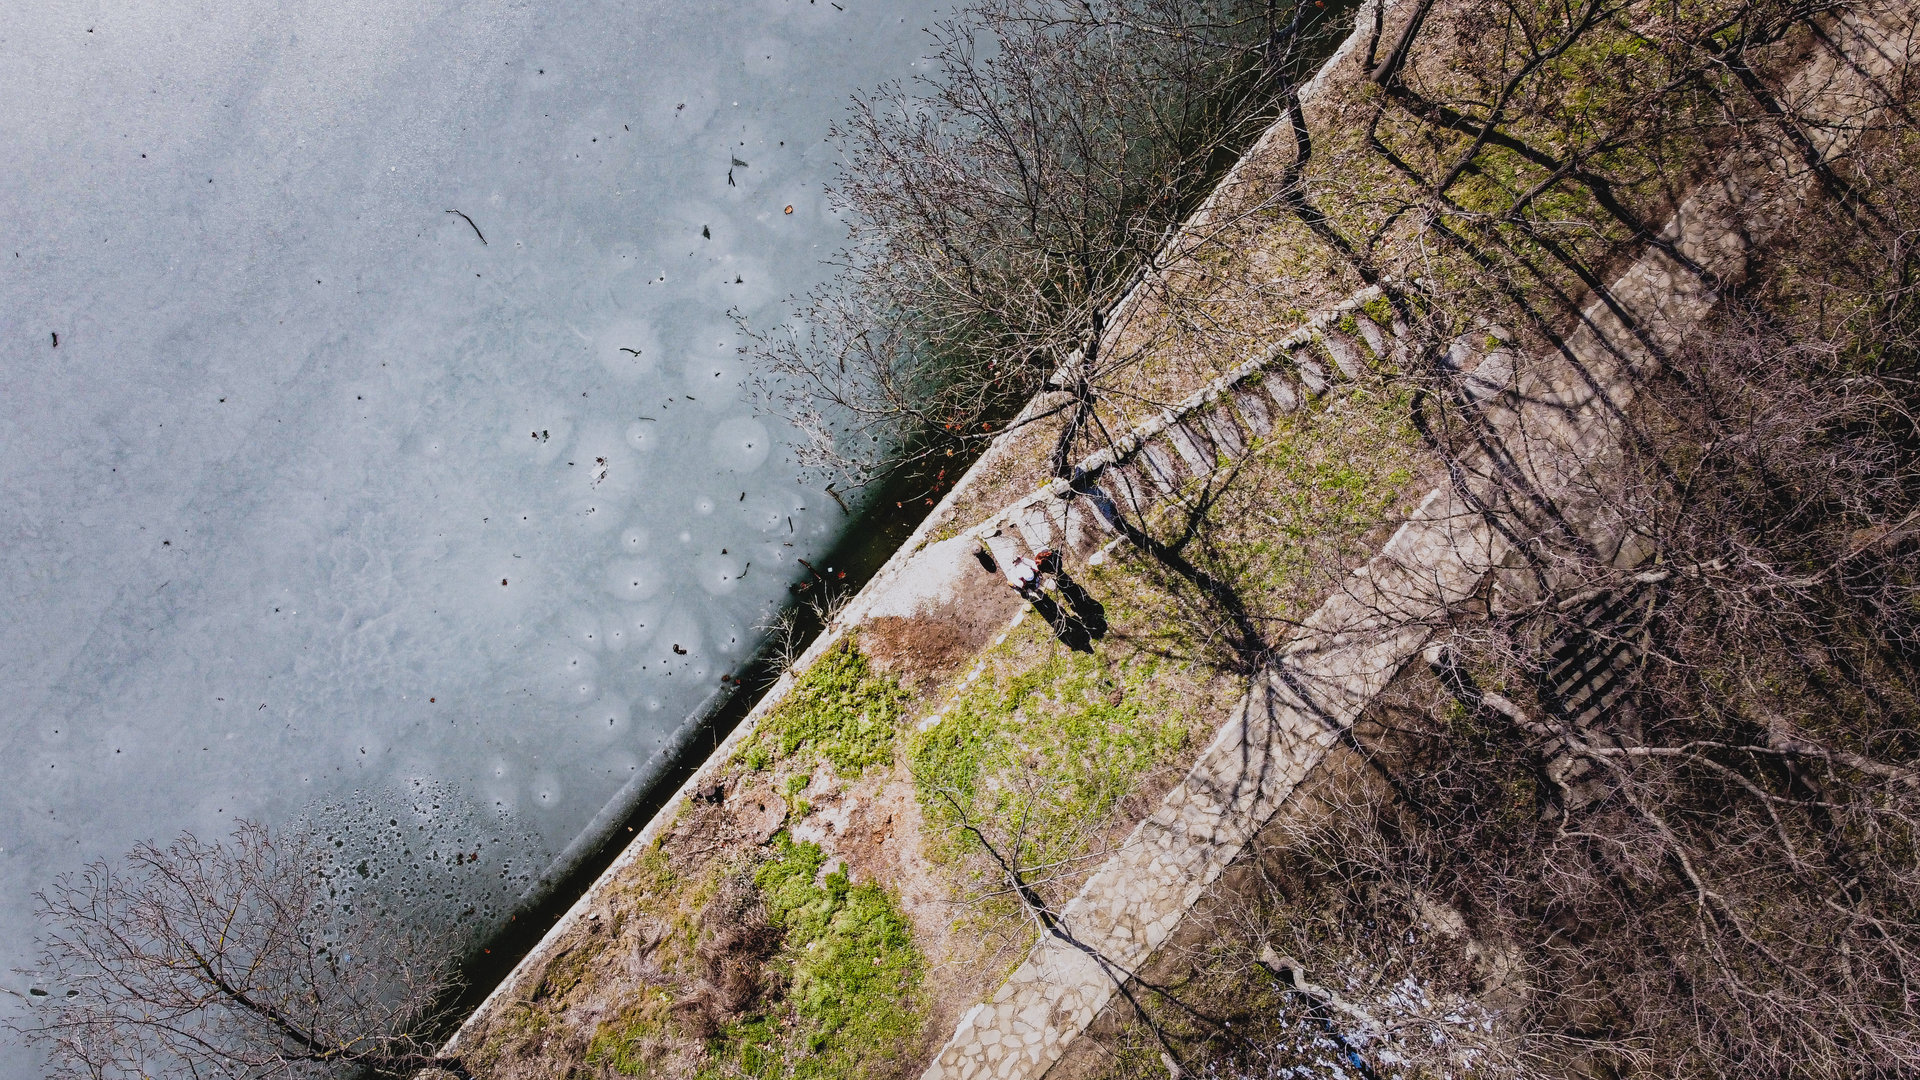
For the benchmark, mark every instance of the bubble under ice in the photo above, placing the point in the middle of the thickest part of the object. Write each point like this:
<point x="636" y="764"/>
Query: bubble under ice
<point x="321" y="495"/>
<point x="426" y="856"/>
<point x="741" y="443"/>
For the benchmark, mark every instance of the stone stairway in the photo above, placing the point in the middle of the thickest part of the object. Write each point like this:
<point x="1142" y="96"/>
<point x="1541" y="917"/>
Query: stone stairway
<point x="1221" y="422"/>
<point x="1590" y="663"/>
<point x="1208" y="431"/>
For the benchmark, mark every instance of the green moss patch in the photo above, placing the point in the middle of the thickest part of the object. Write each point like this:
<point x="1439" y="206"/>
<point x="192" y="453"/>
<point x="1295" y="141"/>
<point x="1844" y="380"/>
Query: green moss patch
<point x="1040" y="750"/>
<point x="1379" y="310"/>
<point x="840" y="711"/>
<point x="852" y="1005"/>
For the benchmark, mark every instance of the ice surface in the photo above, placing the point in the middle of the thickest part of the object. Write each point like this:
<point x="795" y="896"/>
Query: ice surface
<point x="321" y="501"/>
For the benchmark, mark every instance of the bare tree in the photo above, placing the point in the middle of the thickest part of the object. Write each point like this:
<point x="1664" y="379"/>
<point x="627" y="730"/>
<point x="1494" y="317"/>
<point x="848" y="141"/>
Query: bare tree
<point x="1664" y="775"/>
<point x="232" y="959"/>
<point x="1717" y="738"/>
<point x="1651" y="805"/>
<point x="1001" y="206"/>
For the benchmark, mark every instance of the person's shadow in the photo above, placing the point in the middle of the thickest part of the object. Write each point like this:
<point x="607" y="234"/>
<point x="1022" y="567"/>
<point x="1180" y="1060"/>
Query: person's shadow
<point x="1082" y="622"/>
<point x="1090" y="613"/>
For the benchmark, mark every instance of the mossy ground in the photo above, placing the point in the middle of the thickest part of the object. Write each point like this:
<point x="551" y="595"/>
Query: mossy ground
<point x="846" y="987"/>
<point x="840" y="711"/>
<point x="841" y="994"/>
<point x="1045" y="743"/>
<point x="853" y="975"/>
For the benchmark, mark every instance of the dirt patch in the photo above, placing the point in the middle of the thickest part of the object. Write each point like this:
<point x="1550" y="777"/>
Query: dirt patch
<point x="923" y="649"/>
<point x="758" y="811"/>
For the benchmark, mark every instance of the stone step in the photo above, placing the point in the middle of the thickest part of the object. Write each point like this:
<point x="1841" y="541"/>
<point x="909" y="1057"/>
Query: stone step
<point x="1375" y="337"/>
<point x="1078" y="522"/>
<point x="1346" y="355"/>
<point x="1032" y="522"/>
<point x="1222" y="429"/>
<point x="1287" y="396"/>
<point x="1218" y="422"/>
<point x="1254" y="410"/>
<point x="1131" y="491"/>
<point x="1157" y="463"/>
<point x="1192" y="448"/>
<point x="1313" y="374"/>
<point x="1590" y="663"/>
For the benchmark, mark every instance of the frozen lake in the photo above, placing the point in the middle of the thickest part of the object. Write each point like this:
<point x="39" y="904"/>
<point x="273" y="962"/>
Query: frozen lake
<point x="320" y="496"/>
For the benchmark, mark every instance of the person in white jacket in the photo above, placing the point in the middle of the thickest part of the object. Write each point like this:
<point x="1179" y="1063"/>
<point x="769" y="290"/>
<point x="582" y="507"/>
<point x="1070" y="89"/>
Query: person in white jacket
<point x="1024" y="575"/>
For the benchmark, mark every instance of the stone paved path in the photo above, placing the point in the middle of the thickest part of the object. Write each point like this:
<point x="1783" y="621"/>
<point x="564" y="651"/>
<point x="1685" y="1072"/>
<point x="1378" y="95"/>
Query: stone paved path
<point x="1352" y="646"/>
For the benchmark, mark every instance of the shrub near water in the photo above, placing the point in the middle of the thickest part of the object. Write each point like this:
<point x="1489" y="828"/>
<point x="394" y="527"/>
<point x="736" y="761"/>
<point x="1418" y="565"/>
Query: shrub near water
<point x="840" y="711"/>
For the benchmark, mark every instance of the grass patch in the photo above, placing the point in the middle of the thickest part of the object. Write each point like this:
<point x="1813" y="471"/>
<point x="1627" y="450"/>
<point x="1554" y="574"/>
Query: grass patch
<point x="1298" y="513"/>
<point x="651" y="892"/>
<point x="1044" y="749"/>
<point x="839" y="711"/>
<point x="853" y="974"/>
<point x="565" y="971"/>
<point x="627" y="1043"/>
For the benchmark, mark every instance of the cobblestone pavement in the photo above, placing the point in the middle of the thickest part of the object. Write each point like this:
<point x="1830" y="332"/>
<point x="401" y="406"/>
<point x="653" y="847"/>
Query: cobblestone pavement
<point x="1352" y="646"/>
